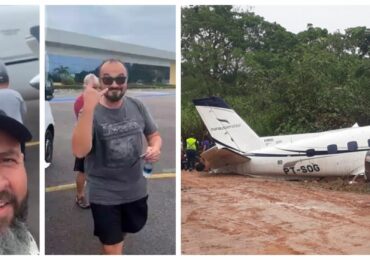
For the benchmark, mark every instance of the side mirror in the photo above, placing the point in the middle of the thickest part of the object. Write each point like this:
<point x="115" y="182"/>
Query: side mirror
<point x="4" y="77"/>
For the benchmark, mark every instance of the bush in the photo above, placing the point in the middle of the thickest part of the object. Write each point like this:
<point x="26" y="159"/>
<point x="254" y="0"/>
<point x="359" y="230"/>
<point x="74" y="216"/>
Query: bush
<point x="67" y="80"/>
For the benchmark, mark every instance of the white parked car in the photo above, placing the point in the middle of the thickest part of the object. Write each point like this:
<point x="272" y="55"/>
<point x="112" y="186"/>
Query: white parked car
<point x="49" y="134"/>
<point x="49" y="122"/>
<point x="49" y="119"/>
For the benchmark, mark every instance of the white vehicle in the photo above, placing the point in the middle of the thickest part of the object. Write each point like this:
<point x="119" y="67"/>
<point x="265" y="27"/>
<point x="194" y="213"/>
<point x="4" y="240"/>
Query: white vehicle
<point x="240" y="150"/>
<point x="49" y="120"/>
<point x="49" y="134"/>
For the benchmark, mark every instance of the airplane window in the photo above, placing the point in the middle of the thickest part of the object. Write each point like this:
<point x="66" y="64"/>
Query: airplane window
<point x="352" y="146"/>
<point x="333" y="148"/>
<point x="368" y="142"/>
<point x="310" y="152"/>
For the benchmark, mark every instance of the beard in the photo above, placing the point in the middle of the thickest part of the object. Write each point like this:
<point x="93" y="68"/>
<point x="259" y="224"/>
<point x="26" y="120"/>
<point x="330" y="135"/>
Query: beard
<point x="115" y="94"/>
<point x="14" y="236"/>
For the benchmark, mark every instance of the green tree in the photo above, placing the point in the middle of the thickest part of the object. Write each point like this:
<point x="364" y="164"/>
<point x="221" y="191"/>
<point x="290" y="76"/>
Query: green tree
<point x="279" y="82"/>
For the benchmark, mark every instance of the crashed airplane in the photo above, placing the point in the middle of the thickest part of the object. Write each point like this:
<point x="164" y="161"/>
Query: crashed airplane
<point x="240" y="150"/>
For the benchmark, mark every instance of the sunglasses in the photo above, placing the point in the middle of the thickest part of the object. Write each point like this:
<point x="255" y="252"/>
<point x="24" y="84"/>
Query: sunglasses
<point x="109" y="80"/>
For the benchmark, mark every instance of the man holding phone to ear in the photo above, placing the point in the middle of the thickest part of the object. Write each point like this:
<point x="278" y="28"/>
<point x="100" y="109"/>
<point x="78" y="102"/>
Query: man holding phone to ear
<point x="109" y="135"/>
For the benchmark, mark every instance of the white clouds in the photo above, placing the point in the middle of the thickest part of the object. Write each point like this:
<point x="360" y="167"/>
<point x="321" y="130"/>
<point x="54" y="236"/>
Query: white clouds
<point x="296" y="18"/>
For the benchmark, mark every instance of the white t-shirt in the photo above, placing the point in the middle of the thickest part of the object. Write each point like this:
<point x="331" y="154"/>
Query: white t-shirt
<point x="34" y="250"/>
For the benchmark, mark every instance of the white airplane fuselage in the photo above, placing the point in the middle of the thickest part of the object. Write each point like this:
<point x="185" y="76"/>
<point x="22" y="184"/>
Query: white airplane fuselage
<point x="338" y="152"/>
<point x="291" y="158"/>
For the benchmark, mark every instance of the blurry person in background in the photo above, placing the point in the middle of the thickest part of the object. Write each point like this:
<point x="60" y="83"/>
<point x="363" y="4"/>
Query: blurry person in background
<point x="11" y="101"/>
<point x="81" y="200"/>
<point x="191" y="152"/>
<point x="14" y="235"/>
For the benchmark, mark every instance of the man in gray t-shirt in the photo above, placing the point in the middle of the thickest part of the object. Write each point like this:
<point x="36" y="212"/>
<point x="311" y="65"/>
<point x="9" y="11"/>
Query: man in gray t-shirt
<point x="109" y="134"/>
<point x="11" y="102"/>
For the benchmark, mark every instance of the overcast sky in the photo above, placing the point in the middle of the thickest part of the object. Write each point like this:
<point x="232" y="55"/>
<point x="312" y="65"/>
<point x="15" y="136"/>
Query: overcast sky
<point x="150" y="26"/>
<point x="296" y="18"/>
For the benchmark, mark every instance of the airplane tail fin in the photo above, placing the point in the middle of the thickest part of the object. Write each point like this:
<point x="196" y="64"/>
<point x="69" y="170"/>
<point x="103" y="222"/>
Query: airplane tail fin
<point x="226" y="127"/>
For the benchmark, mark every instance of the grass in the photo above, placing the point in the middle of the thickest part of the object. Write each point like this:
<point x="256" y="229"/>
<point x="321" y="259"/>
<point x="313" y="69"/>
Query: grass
<point x="339" y="184"/>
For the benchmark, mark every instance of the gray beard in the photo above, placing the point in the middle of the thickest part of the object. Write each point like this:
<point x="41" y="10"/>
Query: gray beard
<point x="15" y="240"/>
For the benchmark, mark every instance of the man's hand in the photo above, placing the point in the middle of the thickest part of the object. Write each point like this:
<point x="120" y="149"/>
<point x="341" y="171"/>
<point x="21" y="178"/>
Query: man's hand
<point x="92" y="97"/>
<point x="152" y="154"/>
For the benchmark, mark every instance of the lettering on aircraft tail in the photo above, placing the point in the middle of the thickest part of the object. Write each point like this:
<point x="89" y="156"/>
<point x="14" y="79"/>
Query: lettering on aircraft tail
<point x="223" y="120"/>
<point x="225" y="127"/>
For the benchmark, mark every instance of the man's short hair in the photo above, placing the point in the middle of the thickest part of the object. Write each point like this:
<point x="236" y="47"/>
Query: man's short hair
<point x="112" y="60"/>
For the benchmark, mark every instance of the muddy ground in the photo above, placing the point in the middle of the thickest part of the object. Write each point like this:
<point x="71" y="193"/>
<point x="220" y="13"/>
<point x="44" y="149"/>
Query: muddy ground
<point x="233" y="214"/>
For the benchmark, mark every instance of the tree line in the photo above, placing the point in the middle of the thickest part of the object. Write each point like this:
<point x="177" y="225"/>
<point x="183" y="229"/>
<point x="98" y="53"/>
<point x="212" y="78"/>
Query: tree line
<point x="277" y="81"/>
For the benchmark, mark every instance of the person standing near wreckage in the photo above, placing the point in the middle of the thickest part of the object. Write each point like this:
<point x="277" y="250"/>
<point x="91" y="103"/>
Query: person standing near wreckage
<point x="367" y="166"/>
<point x="191" y="152"/>
<point x="109" y="134"/>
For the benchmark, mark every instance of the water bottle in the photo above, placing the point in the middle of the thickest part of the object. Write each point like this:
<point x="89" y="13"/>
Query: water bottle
<point x="148" y="168"/>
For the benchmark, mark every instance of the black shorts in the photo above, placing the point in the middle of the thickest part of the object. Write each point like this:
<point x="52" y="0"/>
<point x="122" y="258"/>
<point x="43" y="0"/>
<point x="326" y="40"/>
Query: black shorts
<point x="79" y="165"/>
<point x="112" y="222"/>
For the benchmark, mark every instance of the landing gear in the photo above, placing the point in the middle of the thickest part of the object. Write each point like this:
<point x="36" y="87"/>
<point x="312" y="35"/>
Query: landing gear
<point x="353" y="181"/>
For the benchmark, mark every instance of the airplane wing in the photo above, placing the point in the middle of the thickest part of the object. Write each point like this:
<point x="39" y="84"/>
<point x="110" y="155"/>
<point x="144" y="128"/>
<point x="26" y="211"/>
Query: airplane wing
<point x="217" y="158"/>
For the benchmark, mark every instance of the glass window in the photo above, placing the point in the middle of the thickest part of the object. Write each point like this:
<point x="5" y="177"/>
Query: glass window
<point x="333" y="148"/>
<point x="310" y="152"/>
<point x="352" y="146"/>
<point x="79" y="67"/>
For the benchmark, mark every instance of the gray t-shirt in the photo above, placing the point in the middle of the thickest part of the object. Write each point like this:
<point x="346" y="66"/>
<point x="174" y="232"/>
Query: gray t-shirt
<point x="114" y="174"/>
<point x="12" y="103"/>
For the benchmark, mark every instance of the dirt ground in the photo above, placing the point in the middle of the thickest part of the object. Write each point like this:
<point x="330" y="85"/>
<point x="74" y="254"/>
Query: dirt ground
<point x="233" y="214"/>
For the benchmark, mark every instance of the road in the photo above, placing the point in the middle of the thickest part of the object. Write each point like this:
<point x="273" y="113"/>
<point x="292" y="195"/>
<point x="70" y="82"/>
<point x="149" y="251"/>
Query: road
<point x="233" y="214"/>
<point x="68" y="228"/>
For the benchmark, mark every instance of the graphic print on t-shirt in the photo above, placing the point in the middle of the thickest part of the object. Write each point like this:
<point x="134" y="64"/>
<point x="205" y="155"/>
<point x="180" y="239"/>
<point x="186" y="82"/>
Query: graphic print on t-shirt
<point x="121" y="143"/>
